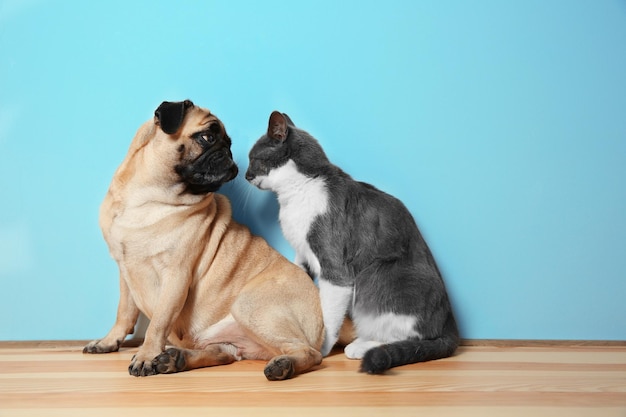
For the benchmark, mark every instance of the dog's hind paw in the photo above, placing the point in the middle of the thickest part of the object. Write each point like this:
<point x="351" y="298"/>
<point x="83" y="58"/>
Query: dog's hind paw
<point x="279" y="368"/>
<point x="170" y="361"/>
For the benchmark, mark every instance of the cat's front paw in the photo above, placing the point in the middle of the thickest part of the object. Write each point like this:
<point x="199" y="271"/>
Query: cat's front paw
<point x="357" y="349"/>
<point x="327" y="346"/>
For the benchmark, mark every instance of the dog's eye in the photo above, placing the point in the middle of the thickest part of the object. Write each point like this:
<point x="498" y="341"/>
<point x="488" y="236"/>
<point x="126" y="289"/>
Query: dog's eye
<point x="208" y="138"/>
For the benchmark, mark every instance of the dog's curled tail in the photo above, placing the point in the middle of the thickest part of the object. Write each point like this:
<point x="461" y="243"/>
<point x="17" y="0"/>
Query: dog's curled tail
<point x="381" y="358"/>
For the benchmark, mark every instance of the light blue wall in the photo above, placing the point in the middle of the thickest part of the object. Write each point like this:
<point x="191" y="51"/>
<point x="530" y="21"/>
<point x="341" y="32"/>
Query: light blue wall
<point x="500" y="124"/>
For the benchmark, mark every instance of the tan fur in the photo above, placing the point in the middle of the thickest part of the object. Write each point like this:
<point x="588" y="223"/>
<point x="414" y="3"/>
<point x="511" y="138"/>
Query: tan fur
<point x="208" y="286"/>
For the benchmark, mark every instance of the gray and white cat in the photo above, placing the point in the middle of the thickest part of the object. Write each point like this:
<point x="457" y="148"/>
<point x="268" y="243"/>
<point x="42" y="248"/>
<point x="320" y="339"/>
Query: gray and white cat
<point x="366" y="250"/>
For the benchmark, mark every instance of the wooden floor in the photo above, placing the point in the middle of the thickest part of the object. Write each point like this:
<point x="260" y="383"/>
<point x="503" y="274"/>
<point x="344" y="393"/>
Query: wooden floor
<point x="56" y="379"/>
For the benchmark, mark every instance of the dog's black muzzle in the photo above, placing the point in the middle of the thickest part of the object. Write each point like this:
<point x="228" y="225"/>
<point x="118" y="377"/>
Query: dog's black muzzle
<point x="209" y="171"/>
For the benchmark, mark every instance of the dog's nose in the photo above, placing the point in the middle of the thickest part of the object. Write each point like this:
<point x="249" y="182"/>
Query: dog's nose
<point x="249" y="176"/>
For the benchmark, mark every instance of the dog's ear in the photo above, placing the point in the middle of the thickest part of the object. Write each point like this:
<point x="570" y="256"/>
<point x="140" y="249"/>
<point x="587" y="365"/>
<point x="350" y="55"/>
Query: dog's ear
<point x="169" y="115"/>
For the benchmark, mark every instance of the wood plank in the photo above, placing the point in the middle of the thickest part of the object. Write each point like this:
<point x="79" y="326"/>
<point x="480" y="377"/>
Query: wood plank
<point x="574" y="380"/>
<point x="134" y="342"/>
<point x="542" y="343"/>
<point x="439" y="411"/>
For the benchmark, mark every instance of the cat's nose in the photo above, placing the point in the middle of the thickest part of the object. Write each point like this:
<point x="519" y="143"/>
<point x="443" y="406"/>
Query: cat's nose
<point x="249" y="175"/>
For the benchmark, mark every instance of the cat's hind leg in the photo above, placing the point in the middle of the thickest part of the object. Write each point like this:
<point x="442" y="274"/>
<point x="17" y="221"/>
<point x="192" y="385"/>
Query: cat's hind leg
<point x="376" y="330"/>
<point x="357" y="349"/>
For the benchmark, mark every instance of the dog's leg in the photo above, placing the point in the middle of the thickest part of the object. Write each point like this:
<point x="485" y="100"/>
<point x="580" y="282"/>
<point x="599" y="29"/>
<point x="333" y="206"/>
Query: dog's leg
<point x="127" y="314"/>
<point x="296" y="358"/>
<point x="177" y="360"/>
<point x="171" y="300"/>
<point x="290" y="328"/>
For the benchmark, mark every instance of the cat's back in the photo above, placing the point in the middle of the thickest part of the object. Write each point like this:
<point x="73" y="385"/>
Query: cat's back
<point x="365" y="203"/>
<point x="363" y="223"/>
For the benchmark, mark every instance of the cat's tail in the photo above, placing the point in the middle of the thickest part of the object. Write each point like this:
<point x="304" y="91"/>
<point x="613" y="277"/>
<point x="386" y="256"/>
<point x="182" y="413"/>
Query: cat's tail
<point x="381" y="358"/>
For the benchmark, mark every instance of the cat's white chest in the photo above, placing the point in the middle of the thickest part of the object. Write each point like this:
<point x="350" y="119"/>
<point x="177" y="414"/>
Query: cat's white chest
<point x="302" y="199"/>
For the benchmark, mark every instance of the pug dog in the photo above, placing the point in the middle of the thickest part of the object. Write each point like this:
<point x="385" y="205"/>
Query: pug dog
<point x="213" y="292"/>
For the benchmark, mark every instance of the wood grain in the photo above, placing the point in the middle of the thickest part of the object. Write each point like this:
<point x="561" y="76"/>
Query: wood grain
<point x="55" y="378"/>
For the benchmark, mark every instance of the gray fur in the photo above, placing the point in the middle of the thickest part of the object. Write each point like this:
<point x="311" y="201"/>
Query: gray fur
<point x="367" y="240"/>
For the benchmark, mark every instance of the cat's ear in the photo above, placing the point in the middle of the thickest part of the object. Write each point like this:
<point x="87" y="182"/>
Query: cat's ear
<point x="288" y="119"/>
<point x="277" y="127"/>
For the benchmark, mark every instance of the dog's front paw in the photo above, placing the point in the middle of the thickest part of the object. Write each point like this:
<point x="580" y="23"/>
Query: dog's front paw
<point x="140" y="365"/>
<point x="279" y="368"/>
<point x="169" y="362"/>
<point x="100" y="346"/>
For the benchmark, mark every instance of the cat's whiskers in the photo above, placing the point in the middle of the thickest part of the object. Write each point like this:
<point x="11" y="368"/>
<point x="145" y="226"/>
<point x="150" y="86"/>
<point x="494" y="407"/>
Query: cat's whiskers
<point x="246" y="195"/>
